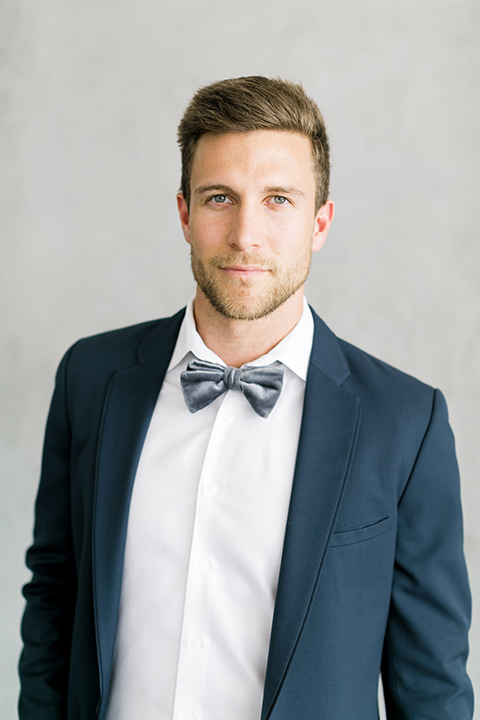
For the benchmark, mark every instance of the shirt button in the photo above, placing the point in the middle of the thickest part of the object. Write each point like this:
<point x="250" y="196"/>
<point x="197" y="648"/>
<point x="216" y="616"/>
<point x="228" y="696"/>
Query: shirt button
<point x="195" y="643"/>
<point x="228" y="417"/>
<point x="203" y="564"/>
<point x="211" y="488"/>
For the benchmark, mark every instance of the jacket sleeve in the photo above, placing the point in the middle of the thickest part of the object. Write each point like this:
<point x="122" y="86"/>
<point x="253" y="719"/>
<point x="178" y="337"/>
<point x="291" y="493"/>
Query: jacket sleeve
<point x="50" y="595"/>
<point x="426" y="643"/>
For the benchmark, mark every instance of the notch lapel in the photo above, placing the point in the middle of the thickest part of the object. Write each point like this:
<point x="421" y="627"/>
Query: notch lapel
<point x="130" y="402"/>
<point x="326" y="445"/>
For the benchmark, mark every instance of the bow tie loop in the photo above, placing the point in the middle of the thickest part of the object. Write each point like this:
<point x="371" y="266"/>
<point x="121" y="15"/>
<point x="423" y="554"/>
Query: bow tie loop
<point x="202" y="382"/>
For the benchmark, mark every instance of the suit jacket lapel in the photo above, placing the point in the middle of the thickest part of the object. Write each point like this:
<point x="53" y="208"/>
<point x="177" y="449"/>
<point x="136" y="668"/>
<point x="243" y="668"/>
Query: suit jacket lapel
<point x="327" y="439"/>
<point x="130" y="401"/>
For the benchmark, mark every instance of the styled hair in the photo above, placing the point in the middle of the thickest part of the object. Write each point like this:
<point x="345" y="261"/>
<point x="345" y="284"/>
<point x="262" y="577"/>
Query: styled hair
<point x="251" y="103"/>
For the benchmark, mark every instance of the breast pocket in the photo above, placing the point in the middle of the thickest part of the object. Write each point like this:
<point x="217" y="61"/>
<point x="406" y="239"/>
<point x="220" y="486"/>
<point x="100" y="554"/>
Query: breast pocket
<point x="360" y="534"/>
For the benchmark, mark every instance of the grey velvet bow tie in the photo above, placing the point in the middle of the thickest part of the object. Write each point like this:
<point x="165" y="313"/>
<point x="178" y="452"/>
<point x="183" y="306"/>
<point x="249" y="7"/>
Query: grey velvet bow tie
<point x="202" y="382"/>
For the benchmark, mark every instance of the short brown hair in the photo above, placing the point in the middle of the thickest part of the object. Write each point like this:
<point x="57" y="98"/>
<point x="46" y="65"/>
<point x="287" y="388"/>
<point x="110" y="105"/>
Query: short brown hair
<point x="254" y="103"/>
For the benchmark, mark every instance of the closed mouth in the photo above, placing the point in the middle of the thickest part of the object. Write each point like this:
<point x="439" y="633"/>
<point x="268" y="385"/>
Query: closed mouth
<point x="244" y="268"/>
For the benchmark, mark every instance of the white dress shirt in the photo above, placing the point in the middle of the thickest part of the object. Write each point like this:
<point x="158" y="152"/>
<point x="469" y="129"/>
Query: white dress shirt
<point x="204" y="544"/>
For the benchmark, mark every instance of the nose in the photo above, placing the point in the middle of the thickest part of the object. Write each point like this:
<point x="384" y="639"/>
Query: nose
<point x="245" y="230"/>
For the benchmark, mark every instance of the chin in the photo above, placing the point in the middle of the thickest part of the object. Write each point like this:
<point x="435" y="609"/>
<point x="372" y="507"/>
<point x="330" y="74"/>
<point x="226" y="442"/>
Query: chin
<point x="253" y="308"/>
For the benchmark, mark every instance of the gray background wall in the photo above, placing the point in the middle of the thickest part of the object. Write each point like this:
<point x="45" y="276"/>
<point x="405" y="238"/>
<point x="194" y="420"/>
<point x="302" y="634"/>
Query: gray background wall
<point x="90" y="95"/>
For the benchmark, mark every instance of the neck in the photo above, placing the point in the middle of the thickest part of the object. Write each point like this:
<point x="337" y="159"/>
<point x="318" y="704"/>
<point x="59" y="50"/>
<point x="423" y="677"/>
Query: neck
<point x="238" y="342"/>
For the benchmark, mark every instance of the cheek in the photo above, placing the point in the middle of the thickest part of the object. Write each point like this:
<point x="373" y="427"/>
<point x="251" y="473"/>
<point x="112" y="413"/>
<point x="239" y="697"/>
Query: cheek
<point x="206" y="231"/>
<point x="307" y="235"/>
<point x="293" y="237"/>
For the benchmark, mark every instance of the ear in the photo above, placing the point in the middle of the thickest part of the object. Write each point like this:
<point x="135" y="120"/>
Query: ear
<point x="323" y="220"/>
<point x="184" y="216"/>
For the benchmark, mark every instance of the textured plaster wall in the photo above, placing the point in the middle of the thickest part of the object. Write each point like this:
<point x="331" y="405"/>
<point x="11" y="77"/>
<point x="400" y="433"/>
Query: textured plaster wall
<point x="90" y="95"/>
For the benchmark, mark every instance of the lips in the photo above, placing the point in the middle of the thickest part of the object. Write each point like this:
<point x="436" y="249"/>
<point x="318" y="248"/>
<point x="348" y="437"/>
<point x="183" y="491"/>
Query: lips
<point x="244" y="269"/>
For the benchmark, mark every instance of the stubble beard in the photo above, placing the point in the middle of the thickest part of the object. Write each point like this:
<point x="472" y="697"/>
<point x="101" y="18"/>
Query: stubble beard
<point x="225" y="294"/>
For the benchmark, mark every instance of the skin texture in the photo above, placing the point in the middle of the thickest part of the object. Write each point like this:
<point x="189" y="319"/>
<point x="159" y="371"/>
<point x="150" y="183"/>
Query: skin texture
<point x="252" y="228"/>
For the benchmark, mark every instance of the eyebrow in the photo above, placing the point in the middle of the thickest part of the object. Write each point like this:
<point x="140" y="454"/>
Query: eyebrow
<point x="208" y="188"/>
<point x="275" y="189"/>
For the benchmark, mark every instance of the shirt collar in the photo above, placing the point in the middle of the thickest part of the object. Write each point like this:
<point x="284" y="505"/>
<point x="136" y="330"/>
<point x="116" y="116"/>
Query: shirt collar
<point x="293" y="351"/>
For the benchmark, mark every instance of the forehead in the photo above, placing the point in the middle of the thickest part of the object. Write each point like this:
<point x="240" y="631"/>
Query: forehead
<point x="252" y="154"/>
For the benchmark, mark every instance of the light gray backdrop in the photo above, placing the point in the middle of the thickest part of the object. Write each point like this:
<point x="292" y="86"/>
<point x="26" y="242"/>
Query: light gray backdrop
<point x="90" y="95"/>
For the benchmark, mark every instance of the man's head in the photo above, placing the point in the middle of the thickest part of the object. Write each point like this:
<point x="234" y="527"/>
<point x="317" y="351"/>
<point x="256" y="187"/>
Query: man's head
<point x="240" y="105"/>
<point x="254" y="202"/>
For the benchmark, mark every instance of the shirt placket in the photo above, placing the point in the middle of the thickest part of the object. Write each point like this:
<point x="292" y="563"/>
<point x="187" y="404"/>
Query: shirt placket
<point x="199" y="606"/>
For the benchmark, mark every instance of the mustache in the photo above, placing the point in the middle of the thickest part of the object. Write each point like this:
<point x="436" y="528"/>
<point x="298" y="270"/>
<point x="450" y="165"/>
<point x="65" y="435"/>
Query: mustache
<point x="240" y="259"/>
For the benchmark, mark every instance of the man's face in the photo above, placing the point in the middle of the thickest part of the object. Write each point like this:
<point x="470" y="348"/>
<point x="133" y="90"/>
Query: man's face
<point x="251" y="224"/>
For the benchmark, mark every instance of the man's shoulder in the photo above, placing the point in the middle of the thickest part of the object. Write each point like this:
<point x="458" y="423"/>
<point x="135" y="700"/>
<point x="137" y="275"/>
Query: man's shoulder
<point x="122" y="347"/>
<point x="377" y="383"/>
<point x="392" y="401"/>
<point x="364" y="364"/>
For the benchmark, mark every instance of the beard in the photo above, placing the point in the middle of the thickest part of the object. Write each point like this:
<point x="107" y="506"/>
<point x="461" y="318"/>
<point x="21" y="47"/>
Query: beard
<point x="240" y="298"/>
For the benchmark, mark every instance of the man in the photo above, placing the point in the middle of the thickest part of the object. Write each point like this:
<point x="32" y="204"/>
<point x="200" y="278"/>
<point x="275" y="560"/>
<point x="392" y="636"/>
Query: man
<point x="213" y="542"/>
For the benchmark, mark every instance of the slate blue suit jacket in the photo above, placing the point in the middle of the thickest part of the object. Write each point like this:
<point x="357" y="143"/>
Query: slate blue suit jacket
<point x="372" y="579"/>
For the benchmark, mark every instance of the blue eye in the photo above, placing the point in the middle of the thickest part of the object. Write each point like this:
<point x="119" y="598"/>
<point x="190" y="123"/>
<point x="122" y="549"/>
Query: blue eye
<point x="279" y="200"/>
<point x="220" y="199"/>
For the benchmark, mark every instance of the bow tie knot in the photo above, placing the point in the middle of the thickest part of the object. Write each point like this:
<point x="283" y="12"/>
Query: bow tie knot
<point x="202" y="382"/>
<point x="231" y="378"/>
